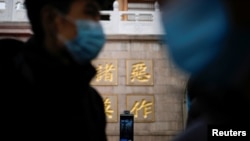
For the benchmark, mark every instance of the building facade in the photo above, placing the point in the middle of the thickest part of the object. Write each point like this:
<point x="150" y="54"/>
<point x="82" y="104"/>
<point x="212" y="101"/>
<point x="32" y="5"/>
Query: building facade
<point x="134" y="70"/>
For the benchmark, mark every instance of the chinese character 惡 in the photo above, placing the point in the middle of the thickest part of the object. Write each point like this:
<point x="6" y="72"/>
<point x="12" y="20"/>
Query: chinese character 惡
<point x="146" y="106"/>
<point x="139" y="72"/>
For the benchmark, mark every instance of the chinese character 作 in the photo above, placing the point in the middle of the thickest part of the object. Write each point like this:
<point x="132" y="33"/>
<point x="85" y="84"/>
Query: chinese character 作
<point x="139" y="72"/>
<point x="105" y="73"/>
<point x="107" y="104"/>
<point x="146" y="106"/>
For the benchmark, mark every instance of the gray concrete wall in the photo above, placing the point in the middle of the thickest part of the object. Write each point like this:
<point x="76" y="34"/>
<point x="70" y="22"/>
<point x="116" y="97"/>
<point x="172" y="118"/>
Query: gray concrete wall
<point x="168" y="88"/>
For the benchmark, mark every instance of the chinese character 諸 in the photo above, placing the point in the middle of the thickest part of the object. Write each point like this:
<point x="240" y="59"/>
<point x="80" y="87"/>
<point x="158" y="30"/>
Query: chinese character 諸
<point x="107" y="104"/>
<point x="146" y="106"/>
<point x="105" y="72"/>
<point x="139" y="72"/>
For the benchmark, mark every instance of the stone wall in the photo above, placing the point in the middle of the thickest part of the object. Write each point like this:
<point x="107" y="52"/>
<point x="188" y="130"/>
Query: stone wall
<point x="167" y="89"/>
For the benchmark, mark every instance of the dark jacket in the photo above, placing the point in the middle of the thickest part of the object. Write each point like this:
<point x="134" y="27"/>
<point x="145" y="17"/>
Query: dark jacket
<point x="44" y="98"/>
<point x="220" y="91"/>
<point x="215" y="105"/>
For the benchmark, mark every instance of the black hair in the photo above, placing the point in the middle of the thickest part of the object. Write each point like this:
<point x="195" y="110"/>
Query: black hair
<point x="34" y="8"/>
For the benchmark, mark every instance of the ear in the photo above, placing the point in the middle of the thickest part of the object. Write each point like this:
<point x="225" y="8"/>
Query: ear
<point x="49" y="15"/>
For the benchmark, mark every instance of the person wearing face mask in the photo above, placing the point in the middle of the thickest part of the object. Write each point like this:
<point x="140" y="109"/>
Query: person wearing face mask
<point x="46" y="92"/>
<point x="210" y="40"/>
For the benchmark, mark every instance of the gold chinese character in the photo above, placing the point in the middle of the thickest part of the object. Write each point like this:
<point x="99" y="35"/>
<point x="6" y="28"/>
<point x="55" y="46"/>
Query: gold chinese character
<point x="139" y="72"/>
<point x="147" y="108"/>
<point x="108" y="110"/>
<point x="105" y="72"/>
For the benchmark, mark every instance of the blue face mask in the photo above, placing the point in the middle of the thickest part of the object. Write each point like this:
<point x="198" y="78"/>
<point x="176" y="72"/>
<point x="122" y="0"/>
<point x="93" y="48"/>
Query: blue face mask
<point x="195" y="30"/>
<point x="88" y="43"/>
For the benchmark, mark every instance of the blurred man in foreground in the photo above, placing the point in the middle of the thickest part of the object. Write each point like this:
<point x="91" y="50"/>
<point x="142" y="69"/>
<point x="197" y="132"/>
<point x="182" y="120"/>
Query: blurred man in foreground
<point x="46" y="88"/>
<point x="210" y="40"/>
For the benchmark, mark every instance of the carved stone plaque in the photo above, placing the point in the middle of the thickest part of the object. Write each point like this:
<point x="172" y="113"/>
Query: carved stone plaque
<point x="139" y="72"/>
<point x="111" y="107"/>
<point x="142" y="107"/>
<point x="107" y="72"/>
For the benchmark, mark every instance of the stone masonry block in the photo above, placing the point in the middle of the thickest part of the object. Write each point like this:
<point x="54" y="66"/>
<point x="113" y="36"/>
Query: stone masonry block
<point x="104" y="89"/>
<point x="120" y="54"/>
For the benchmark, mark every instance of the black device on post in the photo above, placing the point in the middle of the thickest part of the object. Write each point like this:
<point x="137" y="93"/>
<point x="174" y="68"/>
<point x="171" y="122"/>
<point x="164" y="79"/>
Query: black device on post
<point x="126" y="126"/>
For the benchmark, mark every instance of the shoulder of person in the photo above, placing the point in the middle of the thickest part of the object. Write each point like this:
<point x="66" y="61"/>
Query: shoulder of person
<point x="95" y="94"/>
<point x="9" y="48"/>
<point x="10" y="60"/>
